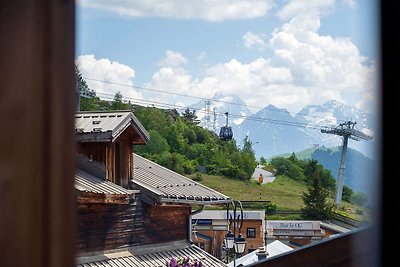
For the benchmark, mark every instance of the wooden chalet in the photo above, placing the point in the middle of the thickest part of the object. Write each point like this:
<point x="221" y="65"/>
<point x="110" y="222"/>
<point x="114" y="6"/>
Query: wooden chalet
<point x="128" y="204"/>
<point x="106" y="138"/>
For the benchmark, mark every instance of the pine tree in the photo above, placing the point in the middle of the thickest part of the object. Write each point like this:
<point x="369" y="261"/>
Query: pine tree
<point x="190" y="116"/>
<point x="117" y="103"/>
<point x="316" y="199"/>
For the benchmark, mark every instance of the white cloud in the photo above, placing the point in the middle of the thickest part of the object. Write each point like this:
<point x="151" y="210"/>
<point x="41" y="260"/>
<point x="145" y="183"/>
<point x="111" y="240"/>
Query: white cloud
<point x="171" y="79"/>
<point x="172" y="59"/>
<point x="314" y="8"/>
<point x="252" y="40"/>
<point x="97" y="70"/>
<point x="210" y="10"/>
<point x="327" y="66"/>
<point x="306" y="67"/>
<point x="369" y="101"/>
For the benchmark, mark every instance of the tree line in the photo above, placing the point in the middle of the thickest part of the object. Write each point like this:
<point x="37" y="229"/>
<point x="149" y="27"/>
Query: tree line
<point x="177" y="142"/>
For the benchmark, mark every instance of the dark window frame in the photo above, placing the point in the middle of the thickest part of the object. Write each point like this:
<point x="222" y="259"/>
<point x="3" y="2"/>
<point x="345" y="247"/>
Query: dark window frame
<point x="249" y="234"/>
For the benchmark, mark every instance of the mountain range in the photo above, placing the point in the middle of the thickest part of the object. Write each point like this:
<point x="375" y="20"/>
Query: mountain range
<point x="274" y="130"/>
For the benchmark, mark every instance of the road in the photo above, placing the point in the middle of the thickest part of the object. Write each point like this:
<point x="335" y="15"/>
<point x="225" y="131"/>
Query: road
<point x="268" y="176"/>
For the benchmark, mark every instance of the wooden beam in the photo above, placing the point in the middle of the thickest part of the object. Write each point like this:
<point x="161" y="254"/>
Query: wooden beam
<point x="91" y="197"/>
<point x="37" y="204"/>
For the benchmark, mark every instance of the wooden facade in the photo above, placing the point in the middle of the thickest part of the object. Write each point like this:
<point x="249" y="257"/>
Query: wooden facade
<point x="112" y="226"/>
<point x="116" y="157"/>
<point x="109" y="226"/>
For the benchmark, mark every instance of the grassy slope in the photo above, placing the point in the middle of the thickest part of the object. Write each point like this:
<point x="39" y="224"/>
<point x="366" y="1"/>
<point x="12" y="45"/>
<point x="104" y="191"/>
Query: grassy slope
<point x="283" y="192"/>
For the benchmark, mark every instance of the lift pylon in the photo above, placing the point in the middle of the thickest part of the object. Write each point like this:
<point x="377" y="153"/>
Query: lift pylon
<point x="346" y="130"/>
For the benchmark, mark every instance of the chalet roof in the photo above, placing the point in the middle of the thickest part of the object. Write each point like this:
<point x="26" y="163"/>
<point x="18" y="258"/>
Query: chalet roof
<point x="101" y="126"/>
<point x="168" y="186"/>
<point x="86" y="182"/>
<point x="154" y="255"/>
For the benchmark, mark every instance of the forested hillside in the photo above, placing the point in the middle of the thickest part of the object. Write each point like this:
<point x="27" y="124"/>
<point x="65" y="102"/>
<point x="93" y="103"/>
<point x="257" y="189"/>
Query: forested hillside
<point x="176" y="140"/>
<point x="360" y="171"/>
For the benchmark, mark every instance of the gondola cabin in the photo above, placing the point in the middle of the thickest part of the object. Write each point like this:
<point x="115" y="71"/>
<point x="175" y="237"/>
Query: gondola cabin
<point x="226" y="132"/>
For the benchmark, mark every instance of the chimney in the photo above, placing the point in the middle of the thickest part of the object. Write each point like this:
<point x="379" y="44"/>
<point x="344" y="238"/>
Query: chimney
<point x="262" y="253"/>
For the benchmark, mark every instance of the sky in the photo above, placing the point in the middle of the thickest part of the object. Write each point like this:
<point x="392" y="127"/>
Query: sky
<point x="286" y="53"/>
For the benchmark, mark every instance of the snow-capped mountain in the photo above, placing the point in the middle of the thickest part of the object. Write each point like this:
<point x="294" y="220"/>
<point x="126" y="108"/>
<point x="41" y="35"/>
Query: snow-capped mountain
<point x="216" y="108"/>
<point x="275" y="131"/>
<point x="332" y="113"/>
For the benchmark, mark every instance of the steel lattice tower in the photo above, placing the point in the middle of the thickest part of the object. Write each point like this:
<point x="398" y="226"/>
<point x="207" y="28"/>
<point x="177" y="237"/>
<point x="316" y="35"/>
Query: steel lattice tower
<point x="346" y="130"/>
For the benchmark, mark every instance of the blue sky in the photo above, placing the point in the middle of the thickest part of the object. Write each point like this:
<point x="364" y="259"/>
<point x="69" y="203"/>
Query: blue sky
<point x="286" y="53"/>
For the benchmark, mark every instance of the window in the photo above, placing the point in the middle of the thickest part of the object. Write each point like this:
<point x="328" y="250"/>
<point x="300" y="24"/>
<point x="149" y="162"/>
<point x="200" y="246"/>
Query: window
<point x="251" y="232"/>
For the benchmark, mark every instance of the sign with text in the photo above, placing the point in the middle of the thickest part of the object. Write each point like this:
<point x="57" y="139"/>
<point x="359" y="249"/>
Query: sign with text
<point x="293" y="232"/>
<point x="294" y="225"/>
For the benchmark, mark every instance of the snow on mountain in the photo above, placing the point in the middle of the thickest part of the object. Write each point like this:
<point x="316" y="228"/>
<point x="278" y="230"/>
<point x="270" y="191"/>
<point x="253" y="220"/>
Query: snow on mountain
<point x="216" y="108"/>
<point x="275" y="131"/>
<point x="332" y="113"/>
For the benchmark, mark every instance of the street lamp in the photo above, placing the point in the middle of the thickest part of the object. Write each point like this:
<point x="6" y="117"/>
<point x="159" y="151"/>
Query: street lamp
<point x="240" y="244"/>
<point x="268" y="232"/>
<point x="230" y="240"/>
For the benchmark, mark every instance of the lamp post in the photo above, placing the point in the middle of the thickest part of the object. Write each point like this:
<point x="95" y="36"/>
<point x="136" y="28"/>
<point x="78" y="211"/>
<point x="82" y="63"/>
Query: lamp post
<point x="231" y="241"/>
<point x="269" y="231"/>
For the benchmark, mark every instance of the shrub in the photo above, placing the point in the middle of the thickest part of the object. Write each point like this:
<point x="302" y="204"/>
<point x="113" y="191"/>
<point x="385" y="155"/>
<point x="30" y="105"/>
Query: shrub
<point x="270" y="208"/>
<point x="198" y="177"/>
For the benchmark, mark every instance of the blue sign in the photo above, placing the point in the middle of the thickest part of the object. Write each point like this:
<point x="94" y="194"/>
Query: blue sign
<point x="202" y="221"/>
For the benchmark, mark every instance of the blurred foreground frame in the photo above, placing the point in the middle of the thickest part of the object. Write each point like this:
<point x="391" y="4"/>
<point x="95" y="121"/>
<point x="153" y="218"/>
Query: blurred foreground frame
<point x="37" y="158"/>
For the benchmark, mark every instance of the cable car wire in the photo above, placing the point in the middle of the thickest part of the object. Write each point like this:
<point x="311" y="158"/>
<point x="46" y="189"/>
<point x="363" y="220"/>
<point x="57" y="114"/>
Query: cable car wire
<point x="197" y="97"/>
<point x="251" y="118"/>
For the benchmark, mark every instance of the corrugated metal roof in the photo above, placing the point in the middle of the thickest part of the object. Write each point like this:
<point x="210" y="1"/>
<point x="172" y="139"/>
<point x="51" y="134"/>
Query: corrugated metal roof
<point x="156" y="257"/>
<point x="170" y="186"/>
<point x="89" y="183"/>
<point x="113" y="122"/>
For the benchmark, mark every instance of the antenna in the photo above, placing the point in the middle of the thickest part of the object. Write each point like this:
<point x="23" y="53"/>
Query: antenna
<point x="207" y="113"/>
<point x="345" y="129"/>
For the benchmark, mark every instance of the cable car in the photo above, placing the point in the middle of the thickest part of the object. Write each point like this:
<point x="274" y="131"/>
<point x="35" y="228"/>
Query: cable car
<point x="226" y="133"/>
